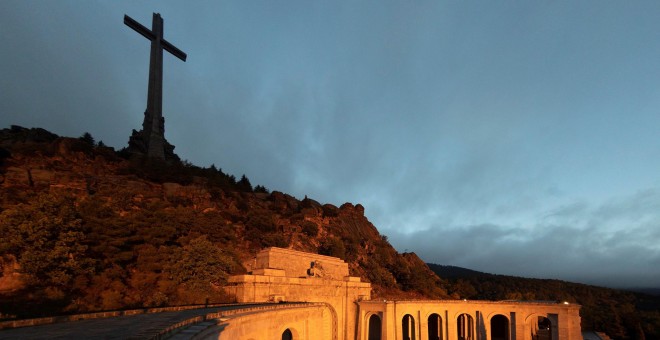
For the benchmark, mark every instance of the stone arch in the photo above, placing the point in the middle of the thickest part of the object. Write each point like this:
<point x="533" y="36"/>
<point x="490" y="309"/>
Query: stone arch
<point x="461" y="312"/>
<point x="289" y="333"/>
<point x="465" y="327"/>
<point x="333" y="314"/>
<point x="374" y="326"/>
<point x="540" y="327"/>
<point x="500" y="327"/>
<point x="408" y="327"/>
<point x="434" y="322"/>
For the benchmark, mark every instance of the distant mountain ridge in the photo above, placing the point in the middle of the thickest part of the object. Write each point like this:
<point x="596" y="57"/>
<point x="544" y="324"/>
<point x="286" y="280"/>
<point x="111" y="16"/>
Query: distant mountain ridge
<point x="649" y="291"/>
<point x="454" y="272"/>
<point x="622" y="314"/>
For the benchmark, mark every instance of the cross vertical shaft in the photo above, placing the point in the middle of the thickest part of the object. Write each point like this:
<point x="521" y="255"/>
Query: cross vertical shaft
<point x="151" y="140"/>
<point x="154" y="123"/>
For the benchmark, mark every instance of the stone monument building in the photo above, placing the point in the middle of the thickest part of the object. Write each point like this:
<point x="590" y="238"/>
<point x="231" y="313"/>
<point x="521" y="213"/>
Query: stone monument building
<point x="339" y="306"/>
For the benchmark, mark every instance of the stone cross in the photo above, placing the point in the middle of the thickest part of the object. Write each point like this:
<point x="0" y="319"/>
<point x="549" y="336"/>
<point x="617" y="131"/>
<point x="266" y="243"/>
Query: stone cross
<point x="153" y="127"/>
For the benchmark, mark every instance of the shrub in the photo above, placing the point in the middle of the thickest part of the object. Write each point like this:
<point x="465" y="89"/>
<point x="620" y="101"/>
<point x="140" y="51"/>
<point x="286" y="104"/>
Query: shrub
<point x="334" y="247"/>
<point x="48" y="239"/>
<point x="261" y="189"/>
<point x="199" y="263"/>
<point x="310" y="228"/>
<point x="260" y="220"/>
<point x="330" y="210"/>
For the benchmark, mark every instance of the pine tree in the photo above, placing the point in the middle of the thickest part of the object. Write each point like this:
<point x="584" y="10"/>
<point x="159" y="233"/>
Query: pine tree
<point x="244" y="184"/>
<point x="87" y="138"/>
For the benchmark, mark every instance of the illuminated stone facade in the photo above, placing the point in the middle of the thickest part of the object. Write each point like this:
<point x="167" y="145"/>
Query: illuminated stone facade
<point x="344" y="310"/>
<point x="459" y="319"/>
<point x="294" y="276"/>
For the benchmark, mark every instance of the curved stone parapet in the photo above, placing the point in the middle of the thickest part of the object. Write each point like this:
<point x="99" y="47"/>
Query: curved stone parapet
<point x="301" y="321"/>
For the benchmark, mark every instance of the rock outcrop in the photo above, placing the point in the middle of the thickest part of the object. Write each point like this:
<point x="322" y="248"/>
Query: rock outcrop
<point x="136" y="216"/>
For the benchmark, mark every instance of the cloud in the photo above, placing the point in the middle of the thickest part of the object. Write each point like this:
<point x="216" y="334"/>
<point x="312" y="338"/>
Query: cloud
<point x="474" y="134"/>
<point x="604" y="244"/>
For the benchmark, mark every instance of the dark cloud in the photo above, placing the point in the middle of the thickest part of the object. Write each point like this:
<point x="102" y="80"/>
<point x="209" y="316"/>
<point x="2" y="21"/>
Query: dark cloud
<point x="510" y="138"/>
<point x="607" y="244"/>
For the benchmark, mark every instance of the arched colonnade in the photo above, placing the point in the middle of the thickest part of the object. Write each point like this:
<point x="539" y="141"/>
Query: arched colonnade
<point x="419" y="321"/>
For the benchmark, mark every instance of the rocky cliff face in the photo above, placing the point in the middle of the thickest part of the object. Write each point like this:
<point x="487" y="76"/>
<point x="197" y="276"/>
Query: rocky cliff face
<point x="139" y="223"/>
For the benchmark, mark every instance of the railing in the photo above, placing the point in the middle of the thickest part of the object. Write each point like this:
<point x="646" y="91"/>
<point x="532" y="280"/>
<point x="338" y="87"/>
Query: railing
<point x="97" y="315"/>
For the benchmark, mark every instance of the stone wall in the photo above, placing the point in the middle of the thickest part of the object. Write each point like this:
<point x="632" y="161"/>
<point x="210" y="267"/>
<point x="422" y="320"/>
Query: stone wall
<point x="316" y="322"/>
<point x="98" y="315"/>
<point x="520" y="316"/>
<point x="282" y="276"/>
<point x="298" y="264"/>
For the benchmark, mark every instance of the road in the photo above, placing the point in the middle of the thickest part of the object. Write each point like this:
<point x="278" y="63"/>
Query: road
<point x="139" y="326"/>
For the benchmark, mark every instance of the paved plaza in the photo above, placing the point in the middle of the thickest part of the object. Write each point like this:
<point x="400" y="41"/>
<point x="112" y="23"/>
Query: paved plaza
<point x="141" y="326"/>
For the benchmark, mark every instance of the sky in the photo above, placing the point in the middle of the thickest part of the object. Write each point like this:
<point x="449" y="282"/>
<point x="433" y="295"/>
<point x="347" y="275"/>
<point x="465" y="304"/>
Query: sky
<point x="511" y="137"/>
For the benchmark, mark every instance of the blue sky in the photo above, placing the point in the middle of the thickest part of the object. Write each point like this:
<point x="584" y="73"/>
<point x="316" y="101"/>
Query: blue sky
<point x="510" y="137"/>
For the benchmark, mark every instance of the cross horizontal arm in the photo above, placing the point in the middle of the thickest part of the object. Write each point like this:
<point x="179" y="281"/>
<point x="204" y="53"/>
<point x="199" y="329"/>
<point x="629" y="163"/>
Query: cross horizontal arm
<point x="175" y="51"/>
<point x="138" y="27"/>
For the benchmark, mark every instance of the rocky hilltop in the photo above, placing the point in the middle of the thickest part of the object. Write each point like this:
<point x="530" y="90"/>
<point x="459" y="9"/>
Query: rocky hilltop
<point x="89" y="228"/>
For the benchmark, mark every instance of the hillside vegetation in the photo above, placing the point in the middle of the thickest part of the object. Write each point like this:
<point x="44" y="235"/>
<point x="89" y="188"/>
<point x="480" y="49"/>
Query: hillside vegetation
<point x="620" y="314"/>
<point x="86" y="228"/>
